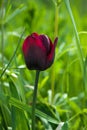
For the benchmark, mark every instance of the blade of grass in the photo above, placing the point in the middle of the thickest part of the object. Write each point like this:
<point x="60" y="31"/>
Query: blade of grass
<point x="85" y="71"/>
<point x="78" y="45"/>
<point x="83" y="32"/>
<point x="19" y="41"/>
<point x="47" y="117"/>
<point x="13" y="14"/>
<point x="67" y="3"/>
<point x="16" y="114"/>
<point x="2" y="31"/>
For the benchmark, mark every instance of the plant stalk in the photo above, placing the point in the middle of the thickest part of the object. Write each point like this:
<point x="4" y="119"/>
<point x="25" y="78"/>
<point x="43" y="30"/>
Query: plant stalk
<point x="34" y="99"/>
<point x="53" y="68"/>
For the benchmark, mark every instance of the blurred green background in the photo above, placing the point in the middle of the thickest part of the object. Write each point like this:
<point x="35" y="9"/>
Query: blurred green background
<point x="62" y="92"/>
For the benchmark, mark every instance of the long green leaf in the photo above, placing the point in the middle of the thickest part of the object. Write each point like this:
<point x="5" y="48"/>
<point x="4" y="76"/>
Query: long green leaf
<point x="78" y="45"/>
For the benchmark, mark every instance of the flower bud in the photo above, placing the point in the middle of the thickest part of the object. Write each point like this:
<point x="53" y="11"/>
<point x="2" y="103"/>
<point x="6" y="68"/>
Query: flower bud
<point x="38" y="51"/>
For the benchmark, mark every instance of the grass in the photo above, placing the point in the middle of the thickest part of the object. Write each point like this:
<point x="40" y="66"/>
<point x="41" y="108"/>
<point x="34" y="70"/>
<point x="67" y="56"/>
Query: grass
<point x="62" y="88"/>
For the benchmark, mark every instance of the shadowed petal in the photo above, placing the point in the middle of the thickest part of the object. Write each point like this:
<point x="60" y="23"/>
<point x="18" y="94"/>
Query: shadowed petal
<point x="36" y="58"/>
<point x="51" y="55"/>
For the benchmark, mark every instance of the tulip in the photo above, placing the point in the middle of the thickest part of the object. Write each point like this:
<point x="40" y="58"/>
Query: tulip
<point x="39" y="51"/>
<point x="39" y="55"/>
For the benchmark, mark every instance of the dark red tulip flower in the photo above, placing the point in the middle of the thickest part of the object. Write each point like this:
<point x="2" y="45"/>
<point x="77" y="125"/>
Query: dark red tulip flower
<point x="39" y="51"/>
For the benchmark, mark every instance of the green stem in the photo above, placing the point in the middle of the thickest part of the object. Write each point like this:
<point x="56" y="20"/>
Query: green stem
<point x="53" y="68"/>
<point x="34" y="99"/>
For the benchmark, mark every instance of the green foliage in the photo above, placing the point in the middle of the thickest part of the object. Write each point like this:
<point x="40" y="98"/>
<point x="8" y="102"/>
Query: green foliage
<point x="63" y="87"/>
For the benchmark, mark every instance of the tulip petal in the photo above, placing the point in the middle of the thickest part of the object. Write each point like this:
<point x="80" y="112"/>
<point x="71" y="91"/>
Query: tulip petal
<point x="55" y="41"/>
<point x="36" y="58"/>
<point x="51" y="55"/>
<point x="45" y="42"/>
